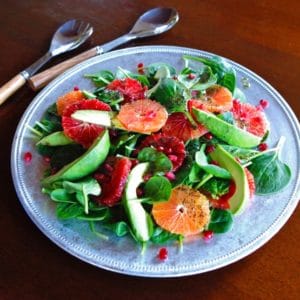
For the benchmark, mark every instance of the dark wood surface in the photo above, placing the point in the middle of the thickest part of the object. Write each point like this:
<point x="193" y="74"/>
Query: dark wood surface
<point x="261" y="35"/>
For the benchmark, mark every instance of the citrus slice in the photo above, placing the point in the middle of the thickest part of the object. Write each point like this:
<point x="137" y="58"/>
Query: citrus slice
<point x="112" y="178"/>
<point x="250" y="118"/>
<point x="83" y="133"/>
<point x="130" y="89"/>
<point x="251" y="182"/>
<point x="143" y="116"/>
<point x="68" y="99"/>
<point x="169" y="145"/>
<point x="186" y="212"/>
<point x="217" y="99"/>
<point x="178" y="125"/>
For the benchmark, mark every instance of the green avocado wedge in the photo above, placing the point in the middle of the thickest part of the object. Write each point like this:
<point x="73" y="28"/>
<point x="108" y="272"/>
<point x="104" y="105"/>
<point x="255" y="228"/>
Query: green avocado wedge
<point x="140" y="221"/>
<point x="83" y="165"/>
<point x="227" y="132"/>
<point x="240" y="198"/>
<point x="57" y="138"/>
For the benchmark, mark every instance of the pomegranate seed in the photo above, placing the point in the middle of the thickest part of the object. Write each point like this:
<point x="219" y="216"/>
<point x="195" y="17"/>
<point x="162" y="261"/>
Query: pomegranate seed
<point x="264" y="103"/>
<point x="99" y="176"/>
<point x="162" y="254"/>
<point x="262" y="147"/>
<point x="223" y="204"/>
<point x="175" y="77"/>
<point x="53" y="171"/>
<point x="140" y="68"/>
<point x="146" y="177"/>
<point x="140" y="65"/>
<point x="47" y="159"/>
<point x="139" y="192"/>
<point x="27" y="157"/>
<point x="194" y="94"/>
<point x="208" y="136"/>
<point x="207" y="235"/>
<point x="160" y="148"/>
<point x="213" y="162"/>
<point x="191" y="76"/>
<point x="172" y="157"/>
<point x="169" y="150"/>
<point x="76" y="88"/>
<point x="170" y="175"/>
<point x="134" y="162"/>
<point x="210" y="148"/>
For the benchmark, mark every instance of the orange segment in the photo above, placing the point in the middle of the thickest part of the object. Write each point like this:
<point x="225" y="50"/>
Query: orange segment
<point x="143" y="116"/>
<point x="68" y="99"/>
<point x="217" y="99"/>
<point x="186" y="212"/>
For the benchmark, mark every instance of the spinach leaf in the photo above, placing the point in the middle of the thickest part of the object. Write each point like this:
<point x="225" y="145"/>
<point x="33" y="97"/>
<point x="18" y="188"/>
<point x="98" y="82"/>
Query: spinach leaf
<point x="270" y="173"/>
<point x="161" y="236"/>
<point x="152" y="69"/>
<point x="206" y="80"/>
<point x="184" y="171"/>
<point x="122" y="73"/>
<point x="202" y="162"/>
<point x="220" y="221"/>
<point x="100" y="215"/>
<point x="216" y="187"/>
<point x="159" y="162"/>
<point x="82" y="189"/>
<point x="61" y="195"/>
<point x="102" y="78"/>
<point x="158" y="188"/>
<point x="112" y="98"/>
<point x="240" y="153"/>
<point x="120" y="228"/>
<point x="65" y="210"/>
<point x="169" y="94"/>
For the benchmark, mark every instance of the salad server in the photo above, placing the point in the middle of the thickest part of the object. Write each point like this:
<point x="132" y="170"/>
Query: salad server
<point x="153" y="22"/>
<point x="67" y="37"/>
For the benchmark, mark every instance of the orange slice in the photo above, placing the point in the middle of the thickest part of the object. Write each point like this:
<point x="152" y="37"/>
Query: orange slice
<point x="143" y="116"/>
<point x="68" y="99"/>
<point x="186" y="212"/>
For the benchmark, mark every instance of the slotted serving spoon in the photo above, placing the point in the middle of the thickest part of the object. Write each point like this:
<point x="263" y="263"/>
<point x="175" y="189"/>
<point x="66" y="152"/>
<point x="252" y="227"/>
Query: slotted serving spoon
<point x="153" y="22"/>
<point x="67" y="37"/>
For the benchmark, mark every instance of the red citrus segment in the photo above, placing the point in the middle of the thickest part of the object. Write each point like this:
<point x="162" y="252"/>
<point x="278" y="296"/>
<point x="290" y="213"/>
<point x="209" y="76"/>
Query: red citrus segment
<point x="186" y="212"/>
<point x="251" y="182"/>
<point x="217" y="99"/>
<point x="179" y="126"/>
<point x="82" y="133"/>
<point x="169" y="145"/>
<point x="68" y="99"/>
<point x="130" y="89"/>
<point x="250" y="118"/>
<point x="112" y="178"/>
<point x="143" y="116"/>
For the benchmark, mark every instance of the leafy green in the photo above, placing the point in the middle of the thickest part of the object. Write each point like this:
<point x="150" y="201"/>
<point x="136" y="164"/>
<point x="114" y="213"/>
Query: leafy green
<point x="122" y="73"/>
<point x="202" y="162"/>
<point x="161" y="236"/>
<point x="159" y="162"/>
<point x="120" y="228"/>
<point x="220" y="221"/>
<point x="152" y="69"/>
<point x="113" y="98"/>
<point x="240" y="153"/>
<point x="270" y="173"/>
<point x="158" y="188"/>
<point x="238" y="94"/>
<point x="216" y="187"/>
<point x="101" y="78"/>
<point x="183" y="172"/>
<point x="65" y="210"/>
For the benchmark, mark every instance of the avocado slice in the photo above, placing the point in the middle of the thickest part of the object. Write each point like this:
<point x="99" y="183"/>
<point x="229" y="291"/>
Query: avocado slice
<point x="240" y="198"/>
<point x="140" y="221"/>
<point x="227" y="132"/>
<point x="83" y="165"/>
<point x="57" y="138"/>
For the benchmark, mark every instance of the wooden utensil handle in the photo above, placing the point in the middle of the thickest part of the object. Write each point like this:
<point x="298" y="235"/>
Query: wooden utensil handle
<point x="41" y="79"/>
<point x="11" y="86"/>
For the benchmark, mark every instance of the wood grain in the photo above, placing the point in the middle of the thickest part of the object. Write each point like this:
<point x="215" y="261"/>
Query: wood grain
<point x="41" y="79"/>
<point x="261" y="35"/>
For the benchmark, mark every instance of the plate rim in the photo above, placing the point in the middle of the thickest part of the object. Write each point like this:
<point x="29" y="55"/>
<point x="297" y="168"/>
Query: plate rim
<point x="258" y="242"/>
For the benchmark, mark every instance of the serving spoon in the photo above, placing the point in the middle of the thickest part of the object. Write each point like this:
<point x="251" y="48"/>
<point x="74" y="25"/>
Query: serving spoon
<point x="153" y="22"/>
<point x="67" y="37"/>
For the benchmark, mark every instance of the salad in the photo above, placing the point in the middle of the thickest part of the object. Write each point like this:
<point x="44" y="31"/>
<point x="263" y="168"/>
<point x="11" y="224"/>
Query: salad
<point x="159" y="154"/>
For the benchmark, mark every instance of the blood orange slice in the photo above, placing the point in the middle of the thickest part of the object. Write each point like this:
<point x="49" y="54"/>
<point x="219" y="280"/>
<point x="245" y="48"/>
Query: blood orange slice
<point x="217" y="99"/>
<point x="186" y="212"/>
<point x="83" y="133"/>
<point x="129" y="88"/>
<point x="143" y="116"/>
<point x="250" y="118"/>
<point x="170" y="145"/>
<point x="112" y="178"/>
<point x="251" y="182"/>
<point x="178" y="125"/>
<point x="68" y="99"/>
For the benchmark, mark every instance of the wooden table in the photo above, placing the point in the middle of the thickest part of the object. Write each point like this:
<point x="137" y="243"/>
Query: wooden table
<point x="261" y="35"/>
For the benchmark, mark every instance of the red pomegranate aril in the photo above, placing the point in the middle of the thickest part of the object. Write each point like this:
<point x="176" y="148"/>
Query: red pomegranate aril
<point x="134" y="162"/>
<point x="27" y="157"/>
<point x="210" y="148"/>
<point x="47" y="159"/>
<point x="170" y="175"/>
<point x="208" y="136"/>
<point x="162" y="254"/>
<point x="146" y="177"/>
<point x="139" y="192"/>
<point x="108" y="167"/>
<point x="140" y="65"/>
<point x="262" y="147"/>
<point x="191" y="76"/>
<point x="172" y="158"/>
<point x="76" y="88"/>
<point x="264" y="103"/>
<point x="207" y="235"/>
